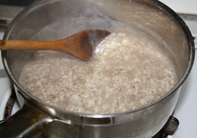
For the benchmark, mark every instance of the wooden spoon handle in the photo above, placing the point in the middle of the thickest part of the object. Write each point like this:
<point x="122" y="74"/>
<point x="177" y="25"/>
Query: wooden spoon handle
<point x="81" y="44"/>
<point x="67" y="45"/>
<point x="28" y="45"/>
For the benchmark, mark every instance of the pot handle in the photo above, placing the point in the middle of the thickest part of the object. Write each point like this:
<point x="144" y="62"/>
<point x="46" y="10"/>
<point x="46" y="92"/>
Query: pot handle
<point x="27" y="122"/>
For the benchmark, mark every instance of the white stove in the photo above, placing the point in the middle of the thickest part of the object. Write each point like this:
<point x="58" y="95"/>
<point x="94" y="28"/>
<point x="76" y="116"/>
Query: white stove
<point x="185" y="111"/>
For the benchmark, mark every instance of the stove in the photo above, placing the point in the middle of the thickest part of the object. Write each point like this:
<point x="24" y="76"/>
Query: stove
<point x="185" y="110"/>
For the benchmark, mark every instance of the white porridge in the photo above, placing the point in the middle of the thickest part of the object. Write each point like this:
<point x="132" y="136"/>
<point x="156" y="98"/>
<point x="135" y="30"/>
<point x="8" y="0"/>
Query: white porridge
<point x="127" y="72"/>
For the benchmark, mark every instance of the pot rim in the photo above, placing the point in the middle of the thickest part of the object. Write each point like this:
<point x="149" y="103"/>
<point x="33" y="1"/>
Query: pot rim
<point x="185" y="28"/>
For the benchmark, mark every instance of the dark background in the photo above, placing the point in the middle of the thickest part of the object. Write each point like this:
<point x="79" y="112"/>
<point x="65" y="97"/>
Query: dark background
<point x="16" y="2"/>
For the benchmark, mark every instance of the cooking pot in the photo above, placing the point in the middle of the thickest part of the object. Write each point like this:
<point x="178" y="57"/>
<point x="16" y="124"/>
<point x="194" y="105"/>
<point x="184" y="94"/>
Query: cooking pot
<point x="56" y="19"/>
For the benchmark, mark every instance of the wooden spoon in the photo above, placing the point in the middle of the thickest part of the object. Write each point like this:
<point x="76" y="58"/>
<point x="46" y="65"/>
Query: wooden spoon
<point x="81" y="44"/>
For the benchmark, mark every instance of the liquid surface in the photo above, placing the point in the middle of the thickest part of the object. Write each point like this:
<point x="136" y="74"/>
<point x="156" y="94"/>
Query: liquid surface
<point x="128" y="71"/>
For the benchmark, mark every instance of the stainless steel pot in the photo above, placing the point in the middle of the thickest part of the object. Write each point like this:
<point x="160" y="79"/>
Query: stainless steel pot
<point x="56" y="19"/>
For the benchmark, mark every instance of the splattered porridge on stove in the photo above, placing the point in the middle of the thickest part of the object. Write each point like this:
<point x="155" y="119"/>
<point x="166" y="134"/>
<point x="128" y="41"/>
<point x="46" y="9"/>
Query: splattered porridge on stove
<point x="128" y="71"/>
